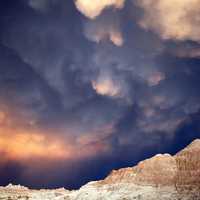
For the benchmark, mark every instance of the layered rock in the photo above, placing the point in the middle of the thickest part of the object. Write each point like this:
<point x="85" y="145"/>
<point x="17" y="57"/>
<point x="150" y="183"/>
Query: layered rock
<point x="188" y="168"/>
<point x="160" y="170"/>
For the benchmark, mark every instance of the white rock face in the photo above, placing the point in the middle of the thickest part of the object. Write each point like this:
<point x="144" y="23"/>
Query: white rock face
<point x="163" y="177"/>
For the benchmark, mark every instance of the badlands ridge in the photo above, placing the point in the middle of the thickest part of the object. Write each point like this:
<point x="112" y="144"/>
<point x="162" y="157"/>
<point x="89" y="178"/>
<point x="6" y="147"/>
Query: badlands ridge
<point x="162" y="177"/>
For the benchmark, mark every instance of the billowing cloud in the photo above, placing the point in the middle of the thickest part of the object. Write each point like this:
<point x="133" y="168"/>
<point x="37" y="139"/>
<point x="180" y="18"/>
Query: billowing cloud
<point x="94" y="8"/>
<point x="172" y="19"/>
<point x="85" y="107"/>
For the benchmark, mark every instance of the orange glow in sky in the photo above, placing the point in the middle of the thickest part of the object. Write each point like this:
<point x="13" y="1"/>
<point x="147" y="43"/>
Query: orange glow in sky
<point x="25" y="145"/>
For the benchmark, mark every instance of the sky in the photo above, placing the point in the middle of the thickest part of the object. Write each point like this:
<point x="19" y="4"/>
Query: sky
<point x="88" y="86"/>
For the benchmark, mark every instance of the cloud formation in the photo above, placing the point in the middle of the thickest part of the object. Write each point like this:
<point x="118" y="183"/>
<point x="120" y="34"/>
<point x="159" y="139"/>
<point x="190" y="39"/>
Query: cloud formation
<point x="67" y="82"/>
<point x="30" y="145"/>
<point x="104" y="28"/>
<point x="155" y="78"/>
<point x="192" y="51"/>
<point x="172" y="19"/>
<point x="105" y="85"/>
<point x="102" y="33"/>
<point x="94" y="8"/>
<point x="29" y="141"/>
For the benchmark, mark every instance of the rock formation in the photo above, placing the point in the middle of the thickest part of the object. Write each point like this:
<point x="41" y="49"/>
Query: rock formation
<point x="163" y="177"/>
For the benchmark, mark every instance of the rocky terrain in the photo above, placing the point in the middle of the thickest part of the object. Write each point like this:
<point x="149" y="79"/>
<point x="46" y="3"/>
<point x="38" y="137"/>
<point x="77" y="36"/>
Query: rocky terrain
<point x="163" y="177"/>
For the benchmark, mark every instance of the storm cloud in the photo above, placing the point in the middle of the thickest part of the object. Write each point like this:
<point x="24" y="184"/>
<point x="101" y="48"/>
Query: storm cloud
<point x="89" y="86"/>
<point x="95" y="8"/>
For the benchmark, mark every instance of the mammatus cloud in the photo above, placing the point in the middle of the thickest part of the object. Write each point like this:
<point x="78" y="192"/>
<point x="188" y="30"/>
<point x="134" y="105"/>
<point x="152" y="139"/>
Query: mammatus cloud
<point x="172" y="19"/>
<point x="155" y="78"/>
<point x="176" y="20"/>
<point x="104" y="28"/>
<point x="106" y="85"/>
<point x="92" y="9"/>
<point x="103" y="33"/>
<point x="116" y="38"/>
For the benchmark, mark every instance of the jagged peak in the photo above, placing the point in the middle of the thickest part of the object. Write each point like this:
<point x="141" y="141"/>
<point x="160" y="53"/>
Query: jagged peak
<point x="195" y="144"/>
<point x="156" y="157"/>
<point x="131" y="169"/>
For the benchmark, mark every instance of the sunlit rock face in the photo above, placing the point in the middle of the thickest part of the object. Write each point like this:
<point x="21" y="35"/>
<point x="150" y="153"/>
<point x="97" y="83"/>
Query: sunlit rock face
<point x="158" y="171"/>
<point x="163" y="177"/>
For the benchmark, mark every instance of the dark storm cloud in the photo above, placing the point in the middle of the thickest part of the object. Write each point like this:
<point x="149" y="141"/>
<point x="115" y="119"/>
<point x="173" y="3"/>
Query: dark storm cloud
<point x="112" y="92"/>
<point x="24" y="89"/>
